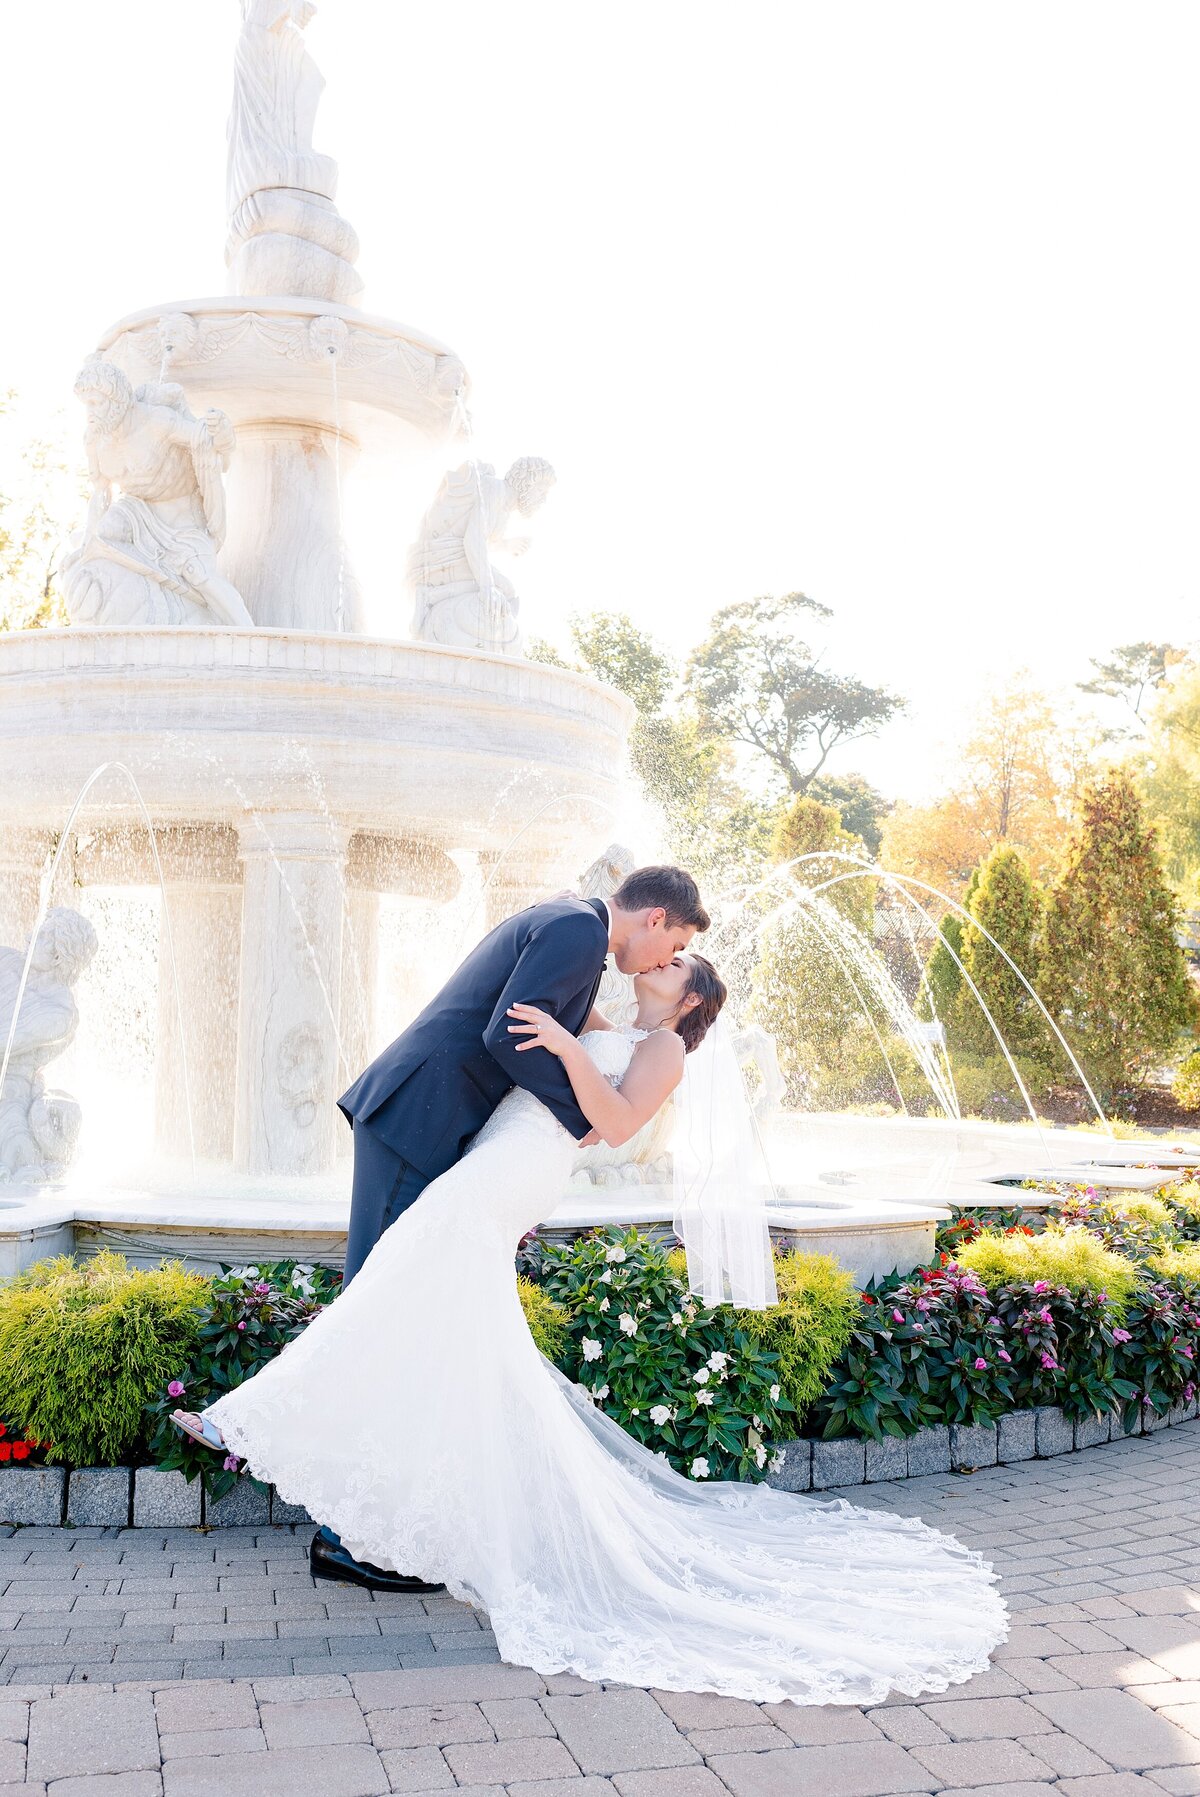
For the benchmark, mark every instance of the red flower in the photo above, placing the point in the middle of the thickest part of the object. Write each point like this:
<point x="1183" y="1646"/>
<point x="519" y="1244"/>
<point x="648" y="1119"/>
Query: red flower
<point x="5" y="1450"/>
<point x="20" y="1450"/>
<point x="3" y="1429"/>
<point x="866" y="1297"/>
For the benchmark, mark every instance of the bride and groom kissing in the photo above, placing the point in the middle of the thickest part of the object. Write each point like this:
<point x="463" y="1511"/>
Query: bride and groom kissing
<point x="419" y="1425"/>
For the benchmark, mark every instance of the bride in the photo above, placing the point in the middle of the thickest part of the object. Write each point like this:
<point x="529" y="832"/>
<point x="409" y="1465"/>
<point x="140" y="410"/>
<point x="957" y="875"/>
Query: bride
<point x="416" y="1417"/>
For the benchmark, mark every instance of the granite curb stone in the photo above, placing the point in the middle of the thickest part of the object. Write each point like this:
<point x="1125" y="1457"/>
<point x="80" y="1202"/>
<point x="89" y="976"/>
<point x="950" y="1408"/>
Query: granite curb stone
<point x="100" y="1495"/>
<point x="1055" y="1435"/>
<point x="1016" y="1436"/>
<point x="972" y="1445"/>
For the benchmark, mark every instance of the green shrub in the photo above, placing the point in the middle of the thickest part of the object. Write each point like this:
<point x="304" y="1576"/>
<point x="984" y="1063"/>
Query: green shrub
<point x="810" y="1328"/>
<point x="85" y="1345"/>
<point x="1184" y="1202"/>
<point x="1182" y="1263"/>
<point x="249" y="1315"/>
<point x="547" y="1320"/>
<point x="1069" y="1257"/>
<point x="1139" y="1204"/>
<point x="1186" y="1087"/>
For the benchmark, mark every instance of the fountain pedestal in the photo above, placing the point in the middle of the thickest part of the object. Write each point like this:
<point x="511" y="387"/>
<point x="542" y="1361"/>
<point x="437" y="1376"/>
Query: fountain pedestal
<point x="289" y="1059"/>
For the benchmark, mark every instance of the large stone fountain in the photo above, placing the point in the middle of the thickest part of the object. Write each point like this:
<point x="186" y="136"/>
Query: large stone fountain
<point x="295" y="770"/>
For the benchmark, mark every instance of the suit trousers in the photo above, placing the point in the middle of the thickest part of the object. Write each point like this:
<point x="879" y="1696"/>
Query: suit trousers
<point x="384" y="1186"/>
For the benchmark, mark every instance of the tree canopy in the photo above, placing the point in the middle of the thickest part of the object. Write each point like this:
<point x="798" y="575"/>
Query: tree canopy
<point x="754" y="680"/>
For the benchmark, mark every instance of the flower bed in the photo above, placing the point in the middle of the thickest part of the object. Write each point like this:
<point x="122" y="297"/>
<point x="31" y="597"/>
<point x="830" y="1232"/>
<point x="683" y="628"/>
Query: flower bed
<point x="1029" y="1338"/>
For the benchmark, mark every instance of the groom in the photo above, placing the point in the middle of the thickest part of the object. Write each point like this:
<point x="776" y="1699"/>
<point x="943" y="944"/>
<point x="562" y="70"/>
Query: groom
<point x="417" y="1106"/>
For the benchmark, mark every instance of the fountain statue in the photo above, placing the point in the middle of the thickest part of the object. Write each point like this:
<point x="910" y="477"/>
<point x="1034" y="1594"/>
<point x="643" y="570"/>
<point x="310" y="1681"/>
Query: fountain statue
<point x="150" y="557"/>
<point x="459" y="598"/>
<point x="310" y="785"/>
<point x="38" y="1129"/>
<point x="285" y="233"/>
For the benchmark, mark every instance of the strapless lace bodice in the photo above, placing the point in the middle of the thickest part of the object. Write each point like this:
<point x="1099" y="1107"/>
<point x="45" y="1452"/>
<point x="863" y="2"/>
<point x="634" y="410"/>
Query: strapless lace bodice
<point x="611" y="1050"/>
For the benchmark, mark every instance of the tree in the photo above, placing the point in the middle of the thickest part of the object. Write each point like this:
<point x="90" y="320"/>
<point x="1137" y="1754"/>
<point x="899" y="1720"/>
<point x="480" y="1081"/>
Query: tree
<point x="753" y="680"/>
<point x="1008" y="905"/>
<point x="863" y="809"/>
<point x="1130" y="675"/>
<point x="1113" y="973"/>
<point x="943" y="975"/>
<point x="44" y="500"/>
<point x="1167" y="771"/>
<point x="1018" y="776"/>
<point x="710" y="822"/>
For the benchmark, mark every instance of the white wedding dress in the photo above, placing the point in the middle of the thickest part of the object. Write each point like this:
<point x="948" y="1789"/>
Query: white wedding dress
<point x="416" y="1418"/>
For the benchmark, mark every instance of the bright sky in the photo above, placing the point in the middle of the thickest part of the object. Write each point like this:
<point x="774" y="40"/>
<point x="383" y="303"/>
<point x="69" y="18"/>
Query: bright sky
<point x="897" y="305"/>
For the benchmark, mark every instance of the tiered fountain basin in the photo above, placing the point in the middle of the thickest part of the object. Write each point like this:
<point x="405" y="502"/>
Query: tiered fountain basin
<point x="405" y="739"/>
<point x="292" y="778"/>
<point x="870" y="1218"/>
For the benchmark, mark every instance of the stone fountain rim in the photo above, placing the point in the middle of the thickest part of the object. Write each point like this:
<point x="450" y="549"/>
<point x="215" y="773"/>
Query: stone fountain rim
<point x="345" y="644"/>
<point x="274" y="305"/>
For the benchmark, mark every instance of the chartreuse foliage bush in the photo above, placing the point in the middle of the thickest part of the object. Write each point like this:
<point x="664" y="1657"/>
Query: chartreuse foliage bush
<point x="85" y="1344"/>
<point x="547" y="1320"/>
<point x="1185" y="1089"/>
<point x="810" y="1328"/>
<point x="1068" y="1257"/>
<point x="1179" y="1263"/>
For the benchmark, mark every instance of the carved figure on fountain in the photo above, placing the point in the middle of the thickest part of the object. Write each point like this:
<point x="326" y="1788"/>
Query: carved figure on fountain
<point x="39" y="1129"/>
<point x="459" y="598"/>
<point x="285" y="233"/>
<point x="150" y="556"/>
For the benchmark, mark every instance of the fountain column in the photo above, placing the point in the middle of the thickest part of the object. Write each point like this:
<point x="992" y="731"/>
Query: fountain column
<point x="289" y="1064"/>
<point x="205" y="922"/>
<point x="285" y="551"/>
<point x="360" y="964"/>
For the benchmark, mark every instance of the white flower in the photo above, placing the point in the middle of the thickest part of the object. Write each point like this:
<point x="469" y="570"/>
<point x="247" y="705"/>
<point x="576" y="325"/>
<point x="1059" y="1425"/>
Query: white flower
<point x="757" y="1421"/>
<point x="700" y="1467"/>
<point x="677" y="1319"/>
<point x="591" y="1349"/>
<point x="600" y="1392"/>
<point x="704" y="1397"/>
<point x="777" y="1461"/>
<point x="717" y="1361"/>
<point x="628" y="1324"/>
<point x="606" y="1276"/>
<point x="774" y="1394"/>
<point x="661" y="1415"/>
<point x="617" y="1253"/>
<point x="701" y="1378"/>
<point x="604" y="1304"/>
<point x="760" y="1455"/>
<point x="635" y="1413"/>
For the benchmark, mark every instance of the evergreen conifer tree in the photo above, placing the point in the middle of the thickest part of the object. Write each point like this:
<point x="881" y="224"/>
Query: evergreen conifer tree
<point x="1113" y="973"/>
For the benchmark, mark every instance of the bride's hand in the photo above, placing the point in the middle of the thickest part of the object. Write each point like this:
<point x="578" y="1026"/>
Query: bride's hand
<point x="542" y="1029"/>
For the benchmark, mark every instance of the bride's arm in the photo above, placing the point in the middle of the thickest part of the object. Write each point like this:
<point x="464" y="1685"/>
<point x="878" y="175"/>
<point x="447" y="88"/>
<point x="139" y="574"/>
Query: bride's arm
<point x="616" y="1115"/>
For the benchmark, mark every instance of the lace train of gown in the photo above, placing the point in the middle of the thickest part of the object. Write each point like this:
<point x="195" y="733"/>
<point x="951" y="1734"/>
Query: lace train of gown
<point x="416" y="1417"/>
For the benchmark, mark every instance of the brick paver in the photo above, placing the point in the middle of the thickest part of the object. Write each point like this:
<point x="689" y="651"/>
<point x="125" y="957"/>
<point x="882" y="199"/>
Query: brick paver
<point x="170" y="1663"/>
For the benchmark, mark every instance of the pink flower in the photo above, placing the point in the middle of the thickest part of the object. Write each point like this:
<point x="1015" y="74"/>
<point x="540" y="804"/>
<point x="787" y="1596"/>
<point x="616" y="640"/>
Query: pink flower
<point x="1041" y="1285"/>
<point x="1006" y="1357"/>
<point x="176" y="1388"/>
<point x="897" y="1316"/>
<point x="241" y="1326"/>
<point x="980" y="1364"/>
<point x="922" y="1303"/>
<point x="1049" y="1362"/>
<point x="1121" y="1335"/>
<point x="232" y="1463"/>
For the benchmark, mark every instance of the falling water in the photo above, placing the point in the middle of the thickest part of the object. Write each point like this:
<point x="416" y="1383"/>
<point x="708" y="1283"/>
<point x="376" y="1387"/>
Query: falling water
<point x="46" y="887"/>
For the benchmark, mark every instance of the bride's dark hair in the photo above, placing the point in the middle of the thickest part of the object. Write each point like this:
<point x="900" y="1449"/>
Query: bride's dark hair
<point x="694" y="1024"/>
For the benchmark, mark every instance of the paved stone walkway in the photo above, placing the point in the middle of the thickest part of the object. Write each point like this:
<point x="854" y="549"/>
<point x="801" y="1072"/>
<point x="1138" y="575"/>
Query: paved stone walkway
<point x="174" y="1664"/>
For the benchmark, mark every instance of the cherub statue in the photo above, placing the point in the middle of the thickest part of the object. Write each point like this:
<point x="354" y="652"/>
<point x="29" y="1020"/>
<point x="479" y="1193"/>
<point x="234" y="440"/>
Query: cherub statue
<point x="459" y="598"/>
<point x="38" y="1129"/>
<point x="150" y="556"/>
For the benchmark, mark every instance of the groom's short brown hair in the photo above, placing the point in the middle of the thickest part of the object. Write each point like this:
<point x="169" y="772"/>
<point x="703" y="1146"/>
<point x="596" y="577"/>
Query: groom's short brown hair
<point x="671" y="887"/>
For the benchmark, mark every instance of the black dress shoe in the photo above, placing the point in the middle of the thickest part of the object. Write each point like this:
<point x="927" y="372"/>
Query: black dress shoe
<point x="328" y="1559"/>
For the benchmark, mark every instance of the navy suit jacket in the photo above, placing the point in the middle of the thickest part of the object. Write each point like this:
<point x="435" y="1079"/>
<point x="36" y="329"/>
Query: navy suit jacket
<point x="439" y="1082"/>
